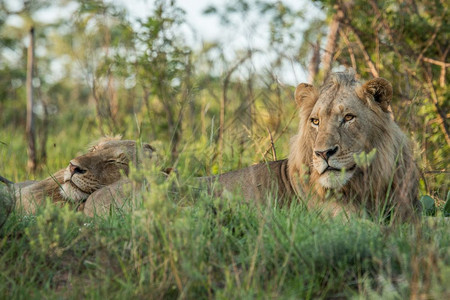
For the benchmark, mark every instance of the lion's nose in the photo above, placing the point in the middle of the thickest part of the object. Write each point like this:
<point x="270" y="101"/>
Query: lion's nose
<point x="74" y="169"/>
<point x="327" y="153"/>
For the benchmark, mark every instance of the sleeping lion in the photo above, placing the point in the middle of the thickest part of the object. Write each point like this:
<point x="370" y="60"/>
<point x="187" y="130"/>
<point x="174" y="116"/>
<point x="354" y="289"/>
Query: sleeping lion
<point x="104" y="166"/>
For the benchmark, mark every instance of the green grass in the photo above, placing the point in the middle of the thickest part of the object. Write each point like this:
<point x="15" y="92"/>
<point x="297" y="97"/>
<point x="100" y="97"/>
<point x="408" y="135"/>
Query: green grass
<point x="179" y="242"/>
<point x="185" y="244"/>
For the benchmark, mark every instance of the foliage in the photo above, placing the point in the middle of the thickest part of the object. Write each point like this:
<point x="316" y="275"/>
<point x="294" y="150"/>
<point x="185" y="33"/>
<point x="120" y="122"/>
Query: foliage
<point x="164" y="69"/>
<point x="99" y="72"/>
<point x="405" y="42"/>
<point x="428" y="205"/>
<point x="183" y="243"/>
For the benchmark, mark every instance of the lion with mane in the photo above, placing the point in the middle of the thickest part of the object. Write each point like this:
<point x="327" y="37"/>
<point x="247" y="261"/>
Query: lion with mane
<point x="337" y="123"/>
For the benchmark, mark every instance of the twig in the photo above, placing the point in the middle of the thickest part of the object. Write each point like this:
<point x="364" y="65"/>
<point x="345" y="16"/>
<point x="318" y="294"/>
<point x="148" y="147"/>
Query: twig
<point x="6" y="181"/>
<point x="263" y="157"/>
<point x="223" y="102"/>
<point x="437" y="172"/>
<point x="272" y="145"/>
<point x="349" y="48"/>
<point x="436" y="62"/>
<point x="367" y="58"/>
<point x="386" y="27"/>
<point x="294" y="114"/>
<point x="441" y="115"/>
<point x="429" y="43"/>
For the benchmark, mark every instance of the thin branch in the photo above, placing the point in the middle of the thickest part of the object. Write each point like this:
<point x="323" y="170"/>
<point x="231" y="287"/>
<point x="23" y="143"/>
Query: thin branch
<point x="437" y="172"/>
<point x="272" y="145"/>
<point x="349" y="48"/>
<point x="443" y="69"/>
<point x="6" y="181"/>
<point x="286" y="127"/>
<point x="436" y="62"/>
<point x="367" y="58"/>
<point x="223" y="102"/>
<point x="441" y="115"/>
<point x="429" y="43"/>
<point x="385" y="25"/>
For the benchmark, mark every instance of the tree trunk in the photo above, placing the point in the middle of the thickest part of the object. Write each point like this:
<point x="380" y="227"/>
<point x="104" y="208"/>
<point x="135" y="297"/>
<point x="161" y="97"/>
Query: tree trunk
<point x="313" y="68"/>
<point x="32" y="163"/>
<point x="223" y="100"/>
<point x="332" y="40"/>
<point x="98" y="107"/>
<point x="44" y="134"/>
<point x="249" y="111"/>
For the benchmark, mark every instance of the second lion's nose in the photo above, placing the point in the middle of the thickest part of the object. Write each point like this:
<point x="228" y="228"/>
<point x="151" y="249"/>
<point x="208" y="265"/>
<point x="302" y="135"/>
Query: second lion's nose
<point x="74" y="169"/>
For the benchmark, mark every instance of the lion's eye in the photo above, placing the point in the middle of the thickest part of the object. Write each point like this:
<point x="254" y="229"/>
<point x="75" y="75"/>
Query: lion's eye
<point x="348" y="117"/>
<point x="315" y="121"/>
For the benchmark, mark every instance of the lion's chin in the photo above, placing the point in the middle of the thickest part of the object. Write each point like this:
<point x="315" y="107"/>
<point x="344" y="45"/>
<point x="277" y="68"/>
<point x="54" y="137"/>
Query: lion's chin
<point x="71" y="193"/>
<point x="335" y="179"/>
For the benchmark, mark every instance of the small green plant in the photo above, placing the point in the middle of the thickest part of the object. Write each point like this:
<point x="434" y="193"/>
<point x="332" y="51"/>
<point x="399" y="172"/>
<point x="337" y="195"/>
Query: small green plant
<point x="429" y="207"/>
<point x="363" y="159"/>
<point x="446" y="209"/>
<point x="54" y="229"/>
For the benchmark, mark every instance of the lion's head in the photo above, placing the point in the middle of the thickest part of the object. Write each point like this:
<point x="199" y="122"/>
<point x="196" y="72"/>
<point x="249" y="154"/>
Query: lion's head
<point x="104" y="164"/>
<point x="339" y="122"/>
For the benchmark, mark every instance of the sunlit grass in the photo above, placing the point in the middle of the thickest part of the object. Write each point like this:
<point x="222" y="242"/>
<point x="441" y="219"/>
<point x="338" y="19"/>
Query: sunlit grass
<point x="178" y="242"/>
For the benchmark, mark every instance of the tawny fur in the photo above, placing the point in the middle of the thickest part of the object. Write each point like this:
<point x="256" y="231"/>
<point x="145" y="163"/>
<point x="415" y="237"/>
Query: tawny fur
<point x="106" y="163"/>
<point x="258" y="182"/>
<point x="391" y="181"/>
<point x="31" y="194"/>
<point x="387" y="187"/>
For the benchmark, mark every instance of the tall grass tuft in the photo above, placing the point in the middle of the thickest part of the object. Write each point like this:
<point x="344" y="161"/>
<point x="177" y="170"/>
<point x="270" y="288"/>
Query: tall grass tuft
<point x="180" y="242"/>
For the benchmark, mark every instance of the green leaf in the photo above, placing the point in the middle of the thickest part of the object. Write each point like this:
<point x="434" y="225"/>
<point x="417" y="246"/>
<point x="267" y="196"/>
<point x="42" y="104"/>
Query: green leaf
<point x="429" y="208"/>
<point x="363" y="159"/>
<point x="447" y="206"/>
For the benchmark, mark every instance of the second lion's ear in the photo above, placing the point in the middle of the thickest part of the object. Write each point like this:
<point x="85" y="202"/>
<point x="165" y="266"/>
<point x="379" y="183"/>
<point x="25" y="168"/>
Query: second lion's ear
<point x="305" y="94"/>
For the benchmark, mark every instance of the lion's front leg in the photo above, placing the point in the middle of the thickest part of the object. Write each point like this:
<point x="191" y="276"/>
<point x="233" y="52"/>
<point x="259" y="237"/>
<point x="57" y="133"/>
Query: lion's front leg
<point x="108" y="198"/>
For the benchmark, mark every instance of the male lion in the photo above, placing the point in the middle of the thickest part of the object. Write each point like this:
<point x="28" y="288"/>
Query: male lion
<point x="337" y="123"/>
<point x="103" y="165"/>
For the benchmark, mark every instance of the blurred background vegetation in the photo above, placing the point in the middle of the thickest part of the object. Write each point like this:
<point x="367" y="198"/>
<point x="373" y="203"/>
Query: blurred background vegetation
<point x="211" y="106"/>
<point x="100" y="70"/>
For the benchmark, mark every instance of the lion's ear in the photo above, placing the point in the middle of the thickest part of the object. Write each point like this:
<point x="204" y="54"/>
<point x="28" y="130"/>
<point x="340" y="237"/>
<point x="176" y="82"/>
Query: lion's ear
<point x="305" y="93"/>
<point x="381" y="91"/>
